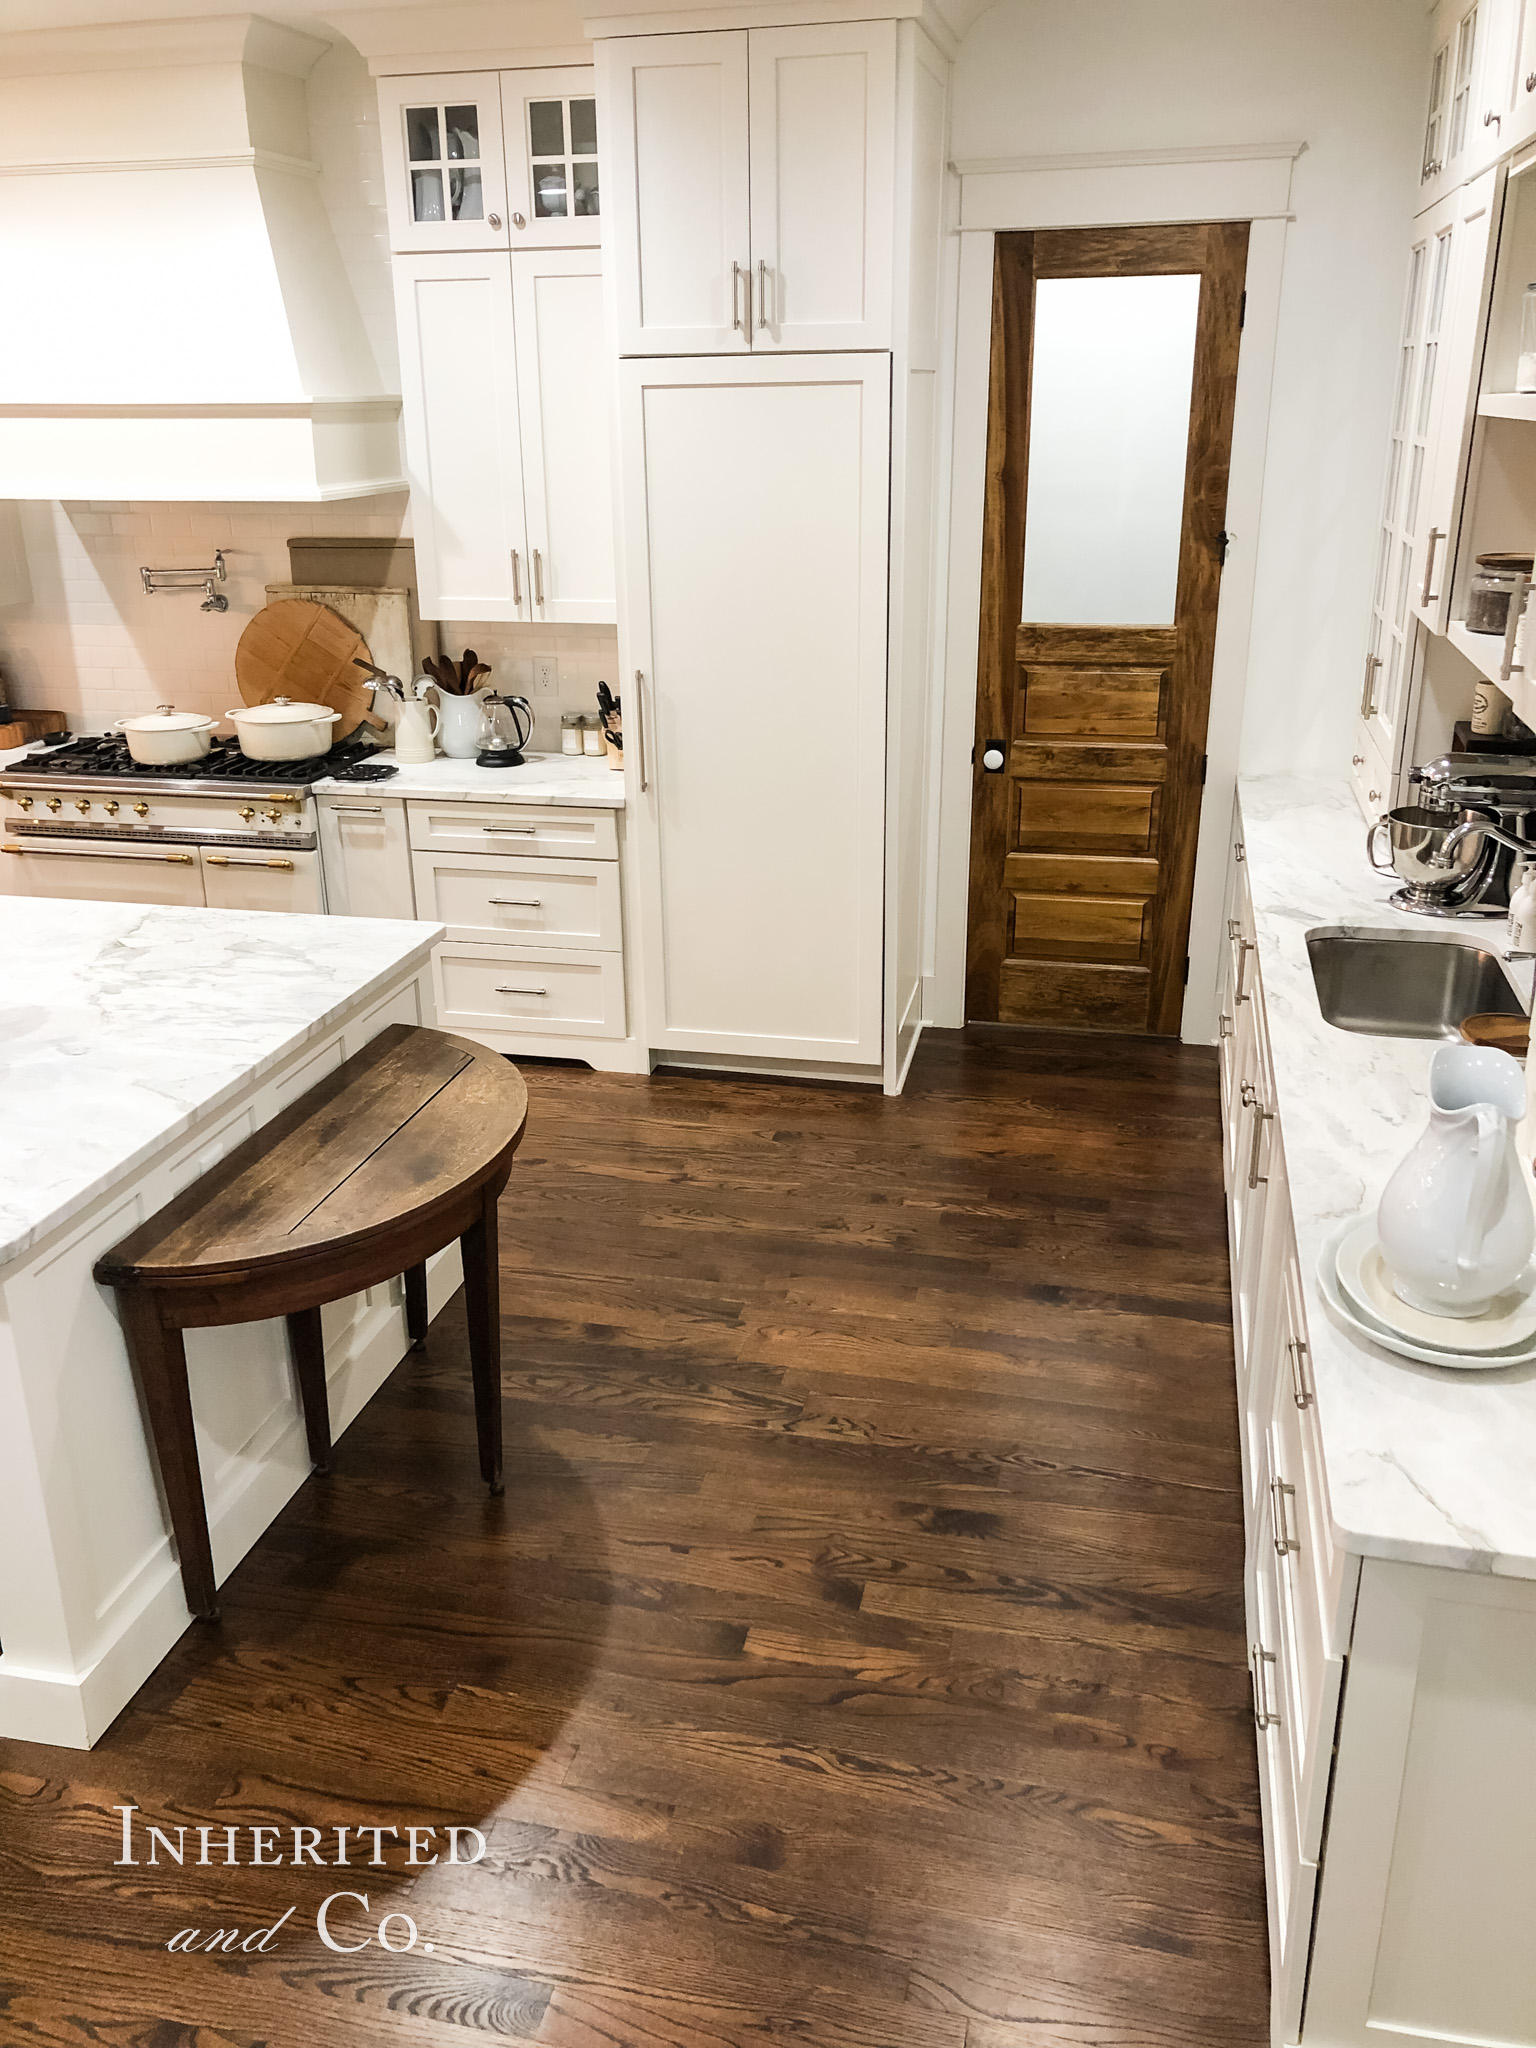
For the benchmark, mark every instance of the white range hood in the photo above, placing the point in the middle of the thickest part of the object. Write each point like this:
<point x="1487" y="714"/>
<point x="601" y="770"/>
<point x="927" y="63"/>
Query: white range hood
<point x="177" y="323"/>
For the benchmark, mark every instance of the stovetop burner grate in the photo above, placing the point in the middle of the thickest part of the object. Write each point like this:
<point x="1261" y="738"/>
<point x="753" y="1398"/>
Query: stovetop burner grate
<point x="108" y="755"/>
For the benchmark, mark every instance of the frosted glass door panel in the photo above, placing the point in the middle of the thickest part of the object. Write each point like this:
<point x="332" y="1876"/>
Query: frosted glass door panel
<point x="1113" y="367"/>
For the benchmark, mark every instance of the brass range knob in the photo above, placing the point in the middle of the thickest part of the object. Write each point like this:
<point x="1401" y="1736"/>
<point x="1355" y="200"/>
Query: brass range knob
<point x="141" y="810"/>
<point x="82" y="804"/>
<point x="25" y="802"/>
<point x="247" y="813"/>
<point x="273" y="817"/>
<point x="54" y="803"/>
<point x="111" y="807"/>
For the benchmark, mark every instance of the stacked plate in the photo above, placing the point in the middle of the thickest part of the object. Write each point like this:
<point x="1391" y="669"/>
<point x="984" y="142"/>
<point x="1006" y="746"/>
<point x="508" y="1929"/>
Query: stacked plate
<point x="1356" y="1286"/>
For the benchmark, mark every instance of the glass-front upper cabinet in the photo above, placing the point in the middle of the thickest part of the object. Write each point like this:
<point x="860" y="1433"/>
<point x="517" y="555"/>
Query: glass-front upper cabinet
<point x="553" y="191"/>
<point x="444" y="164"/>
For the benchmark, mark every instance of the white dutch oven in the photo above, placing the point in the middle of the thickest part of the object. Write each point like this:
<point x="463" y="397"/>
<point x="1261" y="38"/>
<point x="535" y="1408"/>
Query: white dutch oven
<point x="166" y="735"/>
<point x="283" y="730"/>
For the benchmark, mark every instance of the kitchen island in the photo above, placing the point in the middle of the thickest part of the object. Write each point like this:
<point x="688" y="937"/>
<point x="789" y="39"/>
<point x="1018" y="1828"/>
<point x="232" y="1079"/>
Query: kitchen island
<point x="138" y="1046"/>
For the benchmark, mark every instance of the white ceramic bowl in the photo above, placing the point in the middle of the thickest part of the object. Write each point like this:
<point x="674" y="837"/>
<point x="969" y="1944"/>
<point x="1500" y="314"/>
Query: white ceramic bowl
<point x="282" y="730"/>
<point x="164" y="736"/>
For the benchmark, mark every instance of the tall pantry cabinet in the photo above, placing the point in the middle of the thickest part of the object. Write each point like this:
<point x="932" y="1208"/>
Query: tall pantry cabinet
<point x="773" y="202"/>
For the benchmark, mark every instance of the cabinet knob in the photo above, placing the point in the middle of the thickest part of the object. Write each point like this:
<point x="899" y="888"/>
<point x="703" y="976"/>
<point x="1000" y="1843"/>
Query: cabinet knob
<point x="1530" y="81"/>
<point x="518" y="221"/>
<point x="1357" y="760"/>
<point x="493" y="220"/>
<point x="1373" y="796"/>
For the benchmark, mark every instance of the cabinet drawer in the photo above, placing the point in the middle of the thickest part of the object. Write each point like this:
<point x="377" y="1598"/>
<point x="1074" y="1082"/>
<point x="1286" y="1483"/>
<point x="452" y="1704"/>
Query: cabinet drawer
<point x="1290" y="1877"/>
<point x="1369" y="774"/>
<point x="515" y="988"/>
<point x="513" y="828"/>
<point x="487" y="900"/>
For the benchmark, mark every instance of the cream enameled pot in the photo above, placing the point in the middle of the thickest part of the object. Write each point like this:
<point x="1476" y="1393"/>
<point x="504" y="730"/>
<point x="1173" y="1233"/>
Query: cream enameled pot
<point x="165" y="735"/>
<point x="283" y="730"/>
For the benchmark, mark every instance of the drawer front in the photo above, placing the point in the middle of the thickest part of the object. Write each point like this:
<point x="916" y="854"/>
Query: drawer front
<point x="1290" y="1877"/>
<point x="488" y="900"/>
<point x="513" y="828"/>
<point x="1370" y="776"/>
<point x="514" y="988"/>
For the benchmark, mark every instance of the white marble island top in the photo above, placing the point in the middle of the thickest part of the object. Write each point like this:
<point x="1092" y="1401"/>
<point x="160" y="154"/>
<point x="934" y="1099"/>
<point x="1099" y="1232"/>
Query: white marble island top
<point x="1423" y="1463"/>
<point x="122" y="1024"/>
<point x="578" y="780"/>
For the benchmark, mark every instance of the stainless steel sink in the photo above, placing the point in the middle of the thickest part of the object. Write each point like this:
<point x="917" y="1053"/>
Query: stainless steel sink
<point x="1397" y="985"/>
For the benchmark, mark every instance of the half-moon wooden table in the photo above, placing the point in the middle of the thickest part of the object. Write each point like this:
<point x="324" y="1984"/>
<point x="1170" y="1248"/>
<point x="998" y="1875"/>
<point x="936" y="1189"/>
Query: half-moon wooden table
<point x="404" y="1147"/>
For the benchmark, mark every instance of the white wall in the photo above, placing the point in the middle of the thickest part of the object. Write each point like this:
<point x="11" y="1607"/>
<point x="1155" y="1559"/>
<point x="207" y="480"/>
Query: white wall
<point x="1347" y="77"/>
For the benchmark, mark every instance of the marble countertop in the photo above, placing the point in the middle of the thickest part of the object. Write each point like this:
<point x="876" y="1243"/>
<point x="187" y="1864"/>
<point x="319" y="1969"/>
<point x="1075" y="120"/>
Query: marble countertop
<point x="570" y="779"/>
<point x="122" y="1024"/>
<point x="1422" y="1462"/>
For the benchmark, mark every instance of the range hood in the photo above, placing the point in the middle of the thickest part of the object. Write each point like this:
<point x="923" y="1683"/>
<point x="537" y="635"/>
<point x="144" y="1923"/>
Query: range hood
<point x="178" y="323"/>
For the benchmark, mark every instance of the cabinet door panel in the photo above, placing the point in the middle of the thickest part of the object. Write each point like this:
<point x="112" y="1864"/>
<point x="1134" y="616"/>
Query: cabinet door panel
<point x="549" y="119"/>
<point x="444" y="170"/>
<point x="674" y="157"/>
<point x="562" y="373"/>
<point x="757" y="606"/>
<point x="823" y="105"/>
<point x="458" y="377"/>
<point x="367" y="857"/>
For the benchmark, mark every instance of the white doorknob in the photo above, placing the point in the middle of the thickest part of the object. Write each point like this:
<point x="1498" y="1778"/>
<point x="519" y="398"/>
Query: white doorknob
<point x="992" y="759"/>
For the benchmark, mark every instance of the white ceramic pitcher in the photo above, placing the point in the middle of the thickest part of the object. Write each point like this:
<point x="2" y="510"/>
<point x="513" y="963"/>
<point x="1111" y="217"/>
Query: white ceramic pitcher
<point x="1455" y="1221"/>
<point x="460" y="722"/>
<point x="415" y="730"/>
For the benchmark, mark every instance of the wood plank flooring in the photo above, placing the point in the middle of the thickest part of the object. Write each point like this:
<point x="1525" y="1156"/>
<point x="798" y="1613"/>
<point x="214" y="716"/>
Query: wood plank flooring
<point x="856" y="1655"/>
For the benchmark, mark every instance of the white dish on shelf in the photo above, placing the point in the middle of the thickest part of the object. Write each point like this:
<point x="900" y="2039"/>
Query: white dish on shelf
<point x="1360" y="1320"/>
<point x="1509" y="1321"/>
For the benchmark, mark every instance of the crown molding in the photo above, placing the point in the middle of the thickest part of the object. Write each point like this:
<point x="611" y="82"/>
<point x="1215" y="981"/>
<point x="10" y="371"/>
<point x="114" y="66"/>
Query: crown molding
<point x="1128" y="159"/>
<point x="155" y="45"/>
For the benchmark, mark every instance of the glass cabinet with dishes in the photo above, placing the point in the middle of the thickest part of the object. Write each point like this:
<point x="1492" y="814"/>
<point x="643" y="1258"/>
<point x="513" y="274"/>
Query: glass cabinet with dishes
<point x="491" y="160"/>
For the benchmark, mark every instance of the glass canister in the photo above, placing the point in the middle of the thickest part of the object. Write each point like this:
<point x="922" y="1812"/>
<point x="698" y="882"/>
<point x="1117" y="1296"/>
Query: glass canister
<point x="1492" y="586"/>
<point x="1525" y="368"/>
<point x="570" y="732"/>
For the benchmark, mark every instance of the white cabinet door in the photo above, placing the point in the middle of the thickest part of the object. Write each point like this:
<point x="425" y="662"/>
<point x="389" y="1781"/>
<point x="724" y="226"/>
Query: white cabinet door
<point x="756" y="565"/>
<point x="459" y="384"/>
<point x="823" y="136"/>
<point x="444" y="169"/>
<point x="1521" y="125"/>
<point x="674" y="156"/>
<point x="562" y="383"/>
<point x="549" y="119"/>
<point x="367" y="856"/>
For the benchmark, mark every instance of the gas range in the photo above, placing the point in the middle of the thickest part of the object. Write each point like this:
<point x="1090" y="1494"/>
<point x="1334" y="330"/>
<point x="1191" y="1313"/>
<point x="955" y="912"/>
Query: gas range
<point x="86" y="819"/>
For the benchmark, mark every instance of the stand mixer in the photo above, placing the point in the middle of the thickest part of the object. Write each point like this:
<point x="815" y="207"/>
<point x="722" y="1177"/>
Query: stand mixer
<point x="1457" y="845"/>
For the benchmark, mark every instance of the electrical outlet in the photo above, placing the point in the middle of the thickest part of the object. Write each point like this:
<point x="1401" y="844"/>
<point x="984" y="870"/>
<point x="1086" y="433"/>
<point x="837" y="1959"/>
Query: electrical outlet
<point x="546" y="676"/>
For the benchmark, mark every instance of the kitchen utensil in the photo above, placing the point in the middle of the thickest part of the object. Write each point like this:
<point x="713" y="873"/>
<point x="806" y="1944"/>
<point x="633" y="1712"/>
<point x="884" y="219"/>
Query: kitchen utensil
<point x="1507" y="1034"/>
<point x="416" y="724"/>
<point x="1414" y="837"/>
<point x="467" y="661"/>
<point x="1510" y="1318"/>
<point x="1366" y="1325"/>
<point x="1455" y="1219"/>
<point x="305" y="652"/>
<point x="506" y="726"/>
<point x="460" y="719"/>
<point x="284" y="731"/>
<point x="166" y="735"/>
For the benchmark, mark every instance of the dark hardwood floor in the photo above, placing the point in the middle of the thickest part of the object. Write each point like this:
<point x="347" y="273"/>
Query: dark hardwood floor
<point x="856" y="1655"/>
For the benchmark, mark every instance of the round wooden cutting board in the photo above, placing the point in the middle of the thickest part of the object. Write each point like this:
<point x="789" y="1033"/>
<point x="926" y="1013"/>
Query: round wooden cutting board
<point x="296" y="648"/>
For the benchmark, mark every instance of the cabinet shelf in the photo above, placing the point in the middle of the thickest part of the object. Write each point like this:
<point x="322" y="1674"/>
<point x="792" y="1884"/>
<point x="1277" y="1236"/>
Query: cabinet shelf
<point x="1485" y="651"/>
<point x="1507" y="405"/>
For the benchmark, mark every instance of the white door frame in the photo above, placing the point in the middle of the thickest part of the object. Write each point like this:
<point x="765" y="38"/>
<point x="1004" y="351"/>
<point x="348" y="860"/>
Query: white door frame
<point x="1241" y="183"/>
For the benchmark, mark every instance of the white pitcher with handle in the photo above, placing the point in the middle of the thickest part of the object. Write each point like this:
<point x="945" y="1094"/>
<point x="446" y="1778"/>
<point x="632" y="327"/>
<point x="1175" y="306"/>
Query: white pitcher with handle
<point x="1455" y="1222"/>
<point x="416" y="723"/>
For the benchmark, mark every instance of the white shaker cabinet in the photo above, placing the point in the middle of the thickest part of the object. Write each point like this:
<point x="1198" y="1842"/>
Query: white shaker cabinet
<point x="549" y="127"/>
<point x="562" y="377"/>
<point x="757" y="517"/>
<point x="366" y="852"/>
<point x="1471" y="91"/>
<point x="751" y="175"/>
<point x="445" y="183"/>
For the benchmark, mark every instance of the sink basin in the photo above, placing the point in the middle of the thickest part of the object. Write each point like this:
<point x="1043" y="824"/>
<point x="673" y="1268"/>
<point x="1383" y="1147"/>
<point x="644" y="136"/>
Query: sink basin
<point x="1397" y="985"/>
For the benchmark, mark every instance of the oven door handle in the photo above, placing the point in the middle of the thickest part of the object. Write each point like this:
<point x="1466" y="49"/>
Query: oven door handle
<point x="230" y="860"/>
<point x="188" y="860"/>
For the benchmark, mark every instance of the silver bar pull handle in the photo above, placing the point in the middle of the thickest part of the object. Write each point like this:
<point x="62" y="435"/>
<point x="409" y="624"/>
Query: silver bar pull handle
<point x="1259" y="1661"/>
<point x="517" y="902"/>
<point x="538" y="578"/>
<point x="361" y="810"/>
<point x="640" y="725"/>
<point x="1244" y="948"/>
<point x="1301" y="1386"/>
<point x="1368" y="693"/>
<point x="736" y="325"/>
<point x="1509" y="666"/>
<point x="1432" y="539"/>
<point x="522" y="991"/>
<point x="1279" y="1493"/>
<point x="517" y="580"/>
<point x="1261" y="1116"/>
<point x="517" y="831"/>
<point x="762" y="295"/>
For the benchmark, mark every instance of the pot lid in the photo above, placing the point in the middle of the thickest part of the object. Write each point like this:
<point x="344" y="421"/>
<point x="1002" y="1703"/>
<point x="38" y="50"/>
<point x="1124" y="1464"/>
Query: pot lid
<point x="283" y="711"/>
<point x="166" y="718"/>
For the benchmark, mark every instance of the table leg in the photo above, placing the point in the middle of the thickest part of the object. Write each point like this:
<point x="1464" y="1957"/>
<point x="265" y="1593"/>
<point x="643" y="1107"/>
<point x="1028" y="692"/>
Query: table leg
<point x="482" y="1308"/>
<point x="416" y="1305"/>
<point x="307" y="1345"/>
<point x="160" y="1358"/>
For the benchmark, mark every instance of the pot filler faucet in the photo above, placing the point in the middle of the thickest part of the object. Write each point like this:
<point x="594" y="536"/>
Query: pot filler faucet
<point x="1499" y="791"/>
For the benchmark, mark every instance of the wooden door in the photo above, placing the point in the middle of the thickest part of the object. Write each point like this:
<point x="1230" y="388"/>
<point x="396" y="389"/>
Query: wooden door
<point x="1090" y="738"/>
<point x="562" y="372"/>
<point x="458" y="379"/>
<point x="674" y="157"/>
<point x="757" y="538"/>
<point x="444" y="169"/>
<point x="823" y="162"/>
